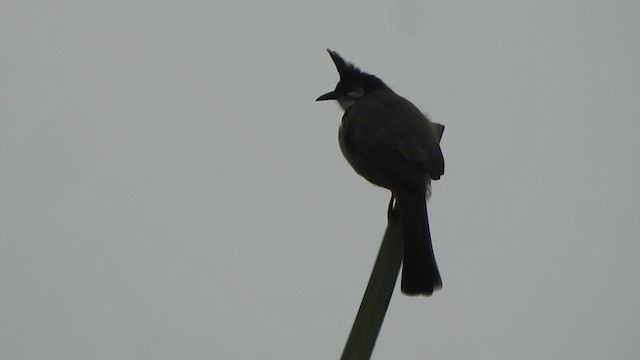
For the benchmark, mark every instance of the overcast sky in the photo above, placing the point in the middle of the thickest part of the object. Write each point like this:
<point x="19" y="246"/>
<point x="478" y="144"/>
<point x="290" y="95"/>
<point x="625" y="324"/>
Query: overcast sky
<point x="170" y="189"/>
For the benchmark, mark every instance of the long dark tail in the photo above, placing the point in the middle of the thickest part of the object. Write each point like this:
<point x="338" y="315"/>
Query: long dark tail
<point x="420" y="275"/>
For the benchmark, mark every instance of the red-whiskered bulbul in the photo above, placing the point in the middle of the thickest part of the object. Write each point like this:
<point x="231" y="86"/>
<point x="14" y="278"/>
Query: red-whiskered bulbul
<point x="389" y="142"/>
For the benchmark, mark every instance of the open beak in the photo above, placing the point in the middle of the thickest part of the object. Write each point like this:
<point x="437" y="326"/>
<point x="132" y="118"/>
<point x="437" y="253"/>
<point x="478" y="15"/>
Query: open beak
<point x="331" y="95"/>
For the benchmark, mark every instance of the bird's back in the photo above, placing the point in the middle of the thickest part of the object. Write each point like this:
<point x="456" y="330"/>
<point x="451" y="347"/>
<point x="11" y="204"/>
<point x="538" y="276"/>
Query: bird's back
<point x="387" y="140"/>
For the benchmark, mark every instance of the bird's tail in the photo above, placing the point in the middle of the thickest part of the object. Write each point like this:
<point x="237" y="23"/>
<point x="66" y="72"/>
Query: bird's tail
<point x="420" y="275"/>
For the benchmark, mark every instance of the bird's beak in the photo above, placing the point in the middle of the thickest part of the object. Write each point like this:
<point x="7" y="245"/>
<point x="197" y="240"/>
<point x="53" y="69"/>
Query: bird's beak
<point x="331" y="95"/>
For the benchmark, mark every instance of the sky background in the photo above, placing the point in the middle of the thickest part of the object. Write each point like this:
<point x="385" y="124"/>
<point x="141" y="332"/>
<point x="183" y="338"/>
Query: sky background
<point x="170" y="189"/>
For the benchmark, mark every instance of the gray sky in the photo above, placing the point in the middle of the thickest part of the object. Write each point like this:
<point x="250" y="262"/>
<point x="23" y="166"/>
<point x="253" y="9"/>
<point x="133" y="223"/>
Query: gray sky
<point x="170" y="189"/>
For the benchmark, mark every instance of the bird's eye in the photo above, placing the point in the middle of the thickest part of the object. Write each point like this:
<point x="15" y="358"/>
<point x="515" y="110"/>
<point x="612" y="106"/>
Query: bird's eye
<point x="356" y="93"/>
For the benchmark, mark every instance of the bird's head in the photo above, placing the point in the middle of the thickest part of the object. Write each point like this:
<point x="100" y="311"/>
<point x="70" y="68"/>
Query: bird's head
<point x="353" y="85"/>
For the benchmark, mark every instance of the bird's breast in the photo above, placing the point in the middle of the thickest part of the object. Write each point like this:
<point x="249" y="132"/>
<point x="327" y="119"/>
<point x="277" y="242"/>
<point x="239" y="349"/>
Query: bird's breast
<point x="352" y="149"/>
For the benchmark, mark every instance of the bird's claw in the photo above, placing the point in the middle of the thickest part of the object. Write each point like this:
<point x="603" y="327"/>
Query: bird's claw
<point x="392" y="210"/>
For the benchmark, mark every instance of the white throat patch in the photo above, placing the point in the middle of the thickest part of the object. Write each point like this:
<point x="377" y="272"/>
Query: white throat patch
<point x="345" y="102"/>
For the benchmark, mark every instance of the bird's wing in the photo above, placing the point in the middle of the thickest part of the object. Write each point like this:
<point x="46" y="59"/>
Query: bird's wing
<point x="396" y="140"/>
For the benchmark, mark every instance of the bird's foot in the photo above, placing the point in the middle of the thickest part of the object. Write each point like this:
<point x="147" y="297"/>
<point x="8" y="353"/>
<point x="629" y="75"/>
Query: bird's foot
<point x="393" y="212"/>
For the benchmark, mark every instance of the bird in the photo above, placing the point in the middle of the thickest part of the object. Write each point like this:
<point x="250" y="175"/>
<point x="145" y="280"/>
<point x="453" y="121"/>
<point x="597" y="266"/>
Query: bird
<point x="387" y="140"/>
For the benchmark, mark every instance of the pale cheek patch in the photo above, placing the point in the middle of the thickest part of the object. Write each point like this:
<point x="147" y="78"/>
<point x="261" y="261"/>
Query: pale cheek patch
<point x="356" y="93"/>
